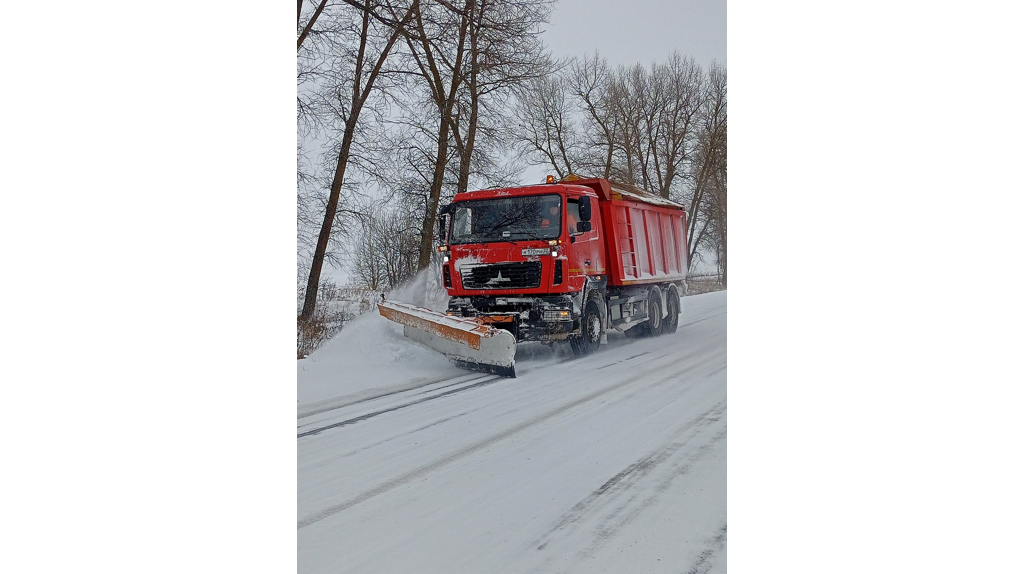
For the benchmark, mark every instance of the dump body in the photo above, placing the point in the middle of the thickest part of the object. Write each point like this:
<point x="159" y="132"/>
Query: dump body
<point x="645" y="236"/>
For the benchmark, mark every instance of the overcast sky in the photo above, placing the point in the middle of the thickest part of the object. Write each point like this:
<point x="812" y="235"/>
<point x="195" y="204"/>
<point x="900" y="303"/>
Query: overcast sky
<point x="641" y="31"/>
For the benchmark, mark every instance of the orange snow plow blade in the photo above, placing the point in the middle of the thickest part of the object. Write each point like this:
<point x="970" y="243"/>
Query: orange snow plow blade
<point x="469" y="343"/>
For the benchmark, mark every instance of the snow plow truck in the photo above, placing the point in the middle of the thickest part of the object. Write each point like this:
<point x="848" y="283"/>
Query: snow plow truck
<point x="555" y="262"/>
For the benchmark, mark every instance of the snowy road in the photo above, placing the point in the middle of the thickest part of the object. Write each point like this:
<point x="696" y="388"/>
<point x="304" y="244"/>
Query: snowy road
<point x="615" y="463"/>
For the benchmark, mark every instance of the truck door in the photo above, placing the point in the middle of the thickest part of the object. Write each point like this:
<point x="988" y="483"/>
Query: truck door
<point x="585" y="248"/>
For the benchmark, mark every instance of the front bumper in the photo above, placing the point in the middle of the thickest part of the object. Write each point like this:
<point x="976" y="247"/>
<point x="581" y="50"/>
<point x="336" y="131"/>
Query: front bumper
<point x="543" y="318"/>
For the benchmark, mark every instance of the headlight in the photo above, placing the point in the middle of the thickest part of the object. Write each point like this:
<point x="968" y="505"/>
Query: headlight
<point x="556" y="315"/>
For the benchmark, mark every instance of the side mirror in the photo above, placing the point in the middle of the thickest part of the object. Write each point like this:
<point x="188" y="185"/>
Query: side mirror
<point x="442" y="227"/>
<point x="582" y="226"/>
<point x="585" y="209"/>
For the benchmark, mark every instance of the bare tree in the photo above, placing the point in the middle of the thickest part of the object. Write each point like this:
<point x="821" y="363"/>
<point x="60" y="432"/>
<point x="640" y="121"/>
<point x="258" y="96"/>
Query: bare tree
<point x="656" y="109"/>
<point x="713" y="158"/>
<point x="306" y="29"/>
<point x="365" y="73"/>
<point x="589" y="80"/>
<point x="304" y="32"/>
<point x="504" y="52"/>
<point x="385" y="252"/>
<point x="543" y="123"/>
<point x="681" y="80"/>
<point x="708" y="170"/>
<point x="437" y="45"/>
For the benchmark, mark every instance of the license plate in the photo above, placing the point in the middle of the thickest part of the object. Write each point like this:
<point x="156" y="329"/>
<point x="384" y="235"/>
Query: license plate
<point x="537" y="251"/>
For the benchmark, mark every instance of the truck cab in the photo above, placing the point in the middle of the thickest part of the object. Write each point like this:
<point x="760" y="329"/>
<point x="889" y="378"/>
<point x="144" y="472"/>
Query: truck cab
<point x="521" y="258"/>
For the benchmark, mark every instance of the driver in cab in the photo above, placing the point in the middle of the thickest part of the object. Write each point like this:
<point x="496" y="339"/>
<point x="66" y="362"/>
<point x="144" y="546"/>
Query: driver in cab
<point x="550" y="217"/>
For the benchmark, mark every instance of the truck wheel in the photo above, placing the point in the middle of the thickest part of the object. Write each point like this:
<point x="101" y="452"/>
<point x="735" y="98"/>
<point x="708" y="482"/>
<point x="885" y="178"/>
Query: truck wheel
<point x="672" y="304"/>
<point x="654" y="325"/>
<point x="590" y="327"/>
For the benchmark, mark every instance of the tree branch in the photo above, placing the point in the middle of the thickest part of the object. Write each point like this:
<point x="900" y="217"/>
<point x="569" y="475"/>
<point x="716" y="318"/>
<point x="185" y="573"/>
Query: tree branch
<point x="309" y="25"/>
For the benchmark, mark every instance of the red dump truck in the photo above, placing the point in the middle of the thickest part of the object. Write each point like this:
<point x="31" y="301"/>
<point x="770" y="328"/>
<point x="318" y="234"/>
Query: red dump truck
<point x="560" y="261"/>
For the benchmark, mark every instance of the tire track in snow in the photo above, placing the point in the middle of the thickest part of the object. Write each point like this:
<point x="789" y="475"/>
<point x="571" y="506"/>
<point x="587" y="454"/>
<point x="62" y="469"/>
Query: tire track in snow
<point x="449" y="385"/>
<point x="613" y="363"/>
<point x="624" y="480"/>
<point x="630" y="510"/>
<point x="632" y="378"/>
<point x="634" y="510"/>
<point x="694" y="371"/>
<point x="485" y="382"/>
<point x="325" y="405"/>
<point x="404" y="433"/>
<point x="702" y="319"/>
<point x="711" y="548"/>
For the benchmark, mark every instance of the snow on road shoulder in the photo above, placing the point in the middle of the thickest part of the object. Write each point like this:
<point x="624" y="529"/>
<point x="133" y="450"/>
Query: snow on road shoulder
<point x="697" y="307"/>
<point x="370" y="352"/>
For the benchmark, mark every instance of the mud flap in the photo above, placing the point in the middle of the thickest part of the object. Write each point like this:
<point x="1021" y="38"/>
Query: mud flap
<point x="467" y="343"/>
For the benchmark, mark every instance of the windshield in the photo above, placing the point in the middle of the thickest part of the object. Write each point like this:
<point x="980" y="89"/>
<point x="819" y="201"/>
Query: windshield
<point x="507" y="219"/>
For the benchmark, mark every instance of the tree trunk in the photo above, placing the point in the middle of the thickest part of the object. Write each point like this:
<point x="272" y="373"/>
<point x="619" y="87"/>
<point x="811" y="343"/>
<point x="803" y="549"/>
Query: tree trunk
<point x="466" y="153"/>
<point x="313" y="284"/>
<point x="445" y="104"/>
<point x="465" y="146"/>
<point x="359" y="95"/>
<point x="430" y="217"/>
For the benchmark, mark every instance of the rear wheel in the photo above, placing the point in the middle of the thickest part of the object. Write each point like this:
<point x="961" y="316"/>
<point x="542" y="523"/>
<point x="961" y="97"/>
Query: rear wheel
<point x="654" y="325"/>
<point x="672" y="306"/>
<point x="590" y="331"/>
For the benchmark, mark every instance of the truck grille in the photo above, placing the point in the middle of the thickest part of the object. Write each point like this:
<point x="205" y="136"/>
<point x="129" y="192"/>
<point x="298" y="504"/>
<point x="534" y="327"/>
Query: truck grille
<point x="523" y="275"/>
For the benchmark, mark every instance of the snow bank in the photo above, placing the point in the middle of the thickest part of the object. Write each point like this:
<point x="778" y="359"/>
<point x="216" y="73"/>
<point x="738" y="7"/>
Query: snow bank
<point x="369" y="352"/>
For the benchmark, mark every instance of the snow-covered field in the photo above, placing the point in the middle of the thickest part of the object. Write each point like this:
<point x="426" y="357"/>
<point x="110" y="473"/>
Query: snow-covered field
<point x="613" y="463"/>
